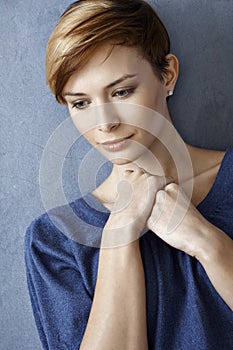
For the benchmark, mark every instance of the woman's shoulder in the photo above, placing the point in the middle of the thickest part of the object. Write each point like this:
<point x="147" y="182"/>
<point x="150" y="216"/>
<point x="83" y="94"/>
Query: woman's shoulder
<point x="43" y="235"/>
<point x="206" y="167"/>
<point x="216" y="184"/>
<point x="209" y="164"/>
<point x="53" y="243"/>
<point x="77" y="223"/>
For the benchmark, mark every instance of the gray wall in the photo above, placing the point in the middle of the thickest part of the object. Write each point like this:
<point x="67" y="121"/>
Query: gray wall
<point x="201" y="35"/>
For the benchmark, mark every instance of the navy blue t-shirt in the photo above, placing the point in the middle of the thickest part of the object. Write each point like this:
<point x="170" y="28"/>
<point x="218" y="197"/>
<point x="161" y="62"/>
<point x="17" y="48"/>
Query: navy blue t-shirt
<point x="184" y="311"/>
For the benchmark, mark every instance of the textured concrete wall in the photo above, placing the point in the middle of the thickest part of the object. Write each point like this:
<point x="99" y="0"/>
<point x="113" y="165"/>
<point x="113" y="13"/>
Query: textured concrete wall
<point x="201" y="35"/>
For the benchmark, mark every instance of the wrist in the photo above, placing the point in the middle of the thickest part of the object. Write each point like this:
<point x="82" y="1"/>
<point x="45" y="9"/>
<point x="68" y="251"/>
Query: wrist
<point x="118" y="233"/>
<point x="212" y="244"/>
<point x="122" y="221"/>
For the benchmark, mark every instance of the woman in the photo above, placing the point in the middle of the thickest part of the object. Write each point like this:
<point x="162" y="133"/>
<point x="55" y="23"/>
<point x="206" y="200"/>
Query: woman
<point x="109" y="61"/>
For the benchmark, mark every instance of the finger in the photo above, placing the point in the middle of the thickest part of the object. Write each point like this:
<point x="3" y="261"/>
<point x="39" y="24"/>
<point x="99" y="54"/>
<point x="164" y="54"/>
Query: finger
<point x="133" y="173"/>
<point x="172" y="186"/>
<point x="160" y="196"/>
<point x="153" y="218"/>
<point x="159" y="182"/>
<point x="124" y="195"/>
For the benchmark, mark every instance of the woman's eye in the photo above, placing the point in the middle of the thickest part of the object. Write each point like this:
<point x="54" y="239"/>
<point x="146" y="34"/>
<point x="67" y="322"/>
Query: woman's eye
<point x="80" y="104"/>
<point x="123" y="93"/>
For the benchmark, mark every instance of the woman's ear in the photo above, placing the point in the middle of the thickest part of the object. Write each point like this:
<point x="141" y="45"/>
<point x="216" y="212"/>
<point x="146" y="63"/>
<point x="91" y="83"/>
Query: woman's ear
<point x="172" y="73"/>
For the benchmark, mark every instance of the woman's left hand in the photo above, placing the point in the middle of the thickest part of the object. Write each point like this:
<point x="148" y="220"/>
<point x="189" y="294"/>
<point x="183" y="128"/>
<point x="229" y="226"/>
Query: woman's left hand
<point x="187" y="235"/>
<point x="195" y="236"/>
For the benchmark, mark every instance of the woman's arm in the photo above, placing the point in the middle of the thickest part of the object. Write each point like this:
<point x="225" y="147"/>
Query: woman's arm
<point x="118" y="315"/>
<point x="197" y="237"/>
<point x="216" y="256"/>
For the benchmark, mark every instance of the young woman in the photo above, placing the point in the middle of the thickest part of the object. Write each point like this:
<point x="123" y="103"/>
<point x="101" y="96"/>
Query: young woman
<point x="146" y="286"/>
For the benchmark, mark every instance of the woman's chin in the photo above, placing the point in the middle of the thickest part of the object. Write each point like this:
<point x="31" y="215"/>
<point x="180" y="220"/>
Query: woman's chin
<point x="120" y="161"/>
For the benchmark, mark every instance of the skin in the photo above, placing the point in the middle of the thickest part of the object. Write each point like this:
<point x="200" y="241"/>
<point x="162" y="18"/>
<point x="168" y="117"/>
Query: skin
<point x="119" y="311"/>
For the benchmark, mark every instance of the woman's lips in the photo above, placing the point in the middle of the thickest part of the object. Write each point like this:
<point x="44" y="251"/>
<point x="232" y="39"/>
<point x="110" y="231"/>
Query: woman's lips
<point x="116" y="145"/>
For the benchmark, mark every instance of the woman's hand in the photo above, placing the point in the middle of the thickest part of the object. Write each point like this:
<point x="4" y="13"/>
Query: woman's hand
<point x="184" y="228"/>
<point x="120" y="311"/>
<point x="136" y="195"/>
<point x="195" y="236"/>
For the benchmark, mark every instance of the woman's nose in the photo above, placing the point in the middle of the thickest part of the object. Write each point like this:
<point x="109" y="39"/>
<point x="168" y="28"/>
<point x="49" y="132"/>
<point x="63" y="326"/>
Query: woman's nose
<point x="107" y="127"/>
<point x="107" y="118"/>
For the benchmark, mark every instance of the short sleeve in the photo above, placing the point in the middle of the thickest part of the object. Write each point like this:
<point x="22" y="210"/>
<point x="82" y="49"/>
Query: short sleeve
<point x="60" y="297"/>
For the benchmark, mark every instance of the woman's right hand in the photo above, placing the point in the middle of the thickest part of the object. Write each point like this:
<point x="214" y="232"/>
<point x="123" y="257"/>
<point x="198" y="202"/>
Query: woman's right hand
<point x="136" y="193"/>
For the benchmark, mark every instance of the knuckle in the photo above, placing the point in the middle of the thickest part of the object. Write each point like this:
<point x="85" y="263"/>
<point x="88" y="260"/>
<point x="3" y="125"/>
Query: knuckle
<point x="160" y="196"/>
<point x="158" y="182"/>
<point x="171" y="187"/>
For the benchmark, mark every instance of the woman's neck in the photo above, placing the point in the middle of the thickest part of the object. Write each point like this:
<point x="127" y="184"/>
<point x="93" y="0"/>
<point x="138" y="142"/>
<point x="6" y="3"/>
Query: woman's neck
<point x="158" y="163"/>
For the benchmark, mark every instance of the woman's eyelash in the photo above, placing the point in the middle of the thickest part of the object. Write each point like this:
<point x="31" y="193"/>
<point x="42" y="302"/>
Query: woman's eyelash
<point x="80" y="104"/>
<point x="123" y="92"/>
<point x="120" y="93"/>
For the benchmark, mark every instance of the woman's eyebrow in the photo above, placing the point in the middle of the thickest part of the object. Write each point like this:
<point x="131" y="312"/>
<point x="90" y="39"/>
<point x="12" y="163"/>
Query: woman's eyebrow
<point x="115" y="82"/>
<point x="73" y="94"/>
<point x="120" y="80"/>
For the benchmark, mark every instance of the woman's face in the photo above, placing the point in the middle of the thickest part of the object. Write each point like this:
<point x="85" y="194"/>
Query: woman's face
<point x="106" y="100"/>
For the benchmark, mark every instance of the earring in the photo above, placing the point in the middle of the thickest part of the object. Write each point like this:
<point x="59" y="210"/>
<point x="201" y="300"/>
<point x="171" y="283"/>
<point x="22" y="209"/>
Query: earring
<point x="170" y="93"/>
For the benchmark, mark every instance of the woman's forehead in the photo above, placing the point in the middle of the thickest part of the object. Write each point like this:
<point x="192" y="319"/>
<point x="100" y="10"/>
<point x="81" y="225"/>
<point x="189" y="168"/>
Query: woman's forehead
<point x="107" y="65"/>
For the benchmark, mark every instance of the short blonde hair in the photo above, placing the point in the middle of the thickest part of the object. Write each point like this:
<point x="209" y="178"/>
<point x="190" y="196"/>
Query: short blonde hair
<point x="87" y="24"/>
